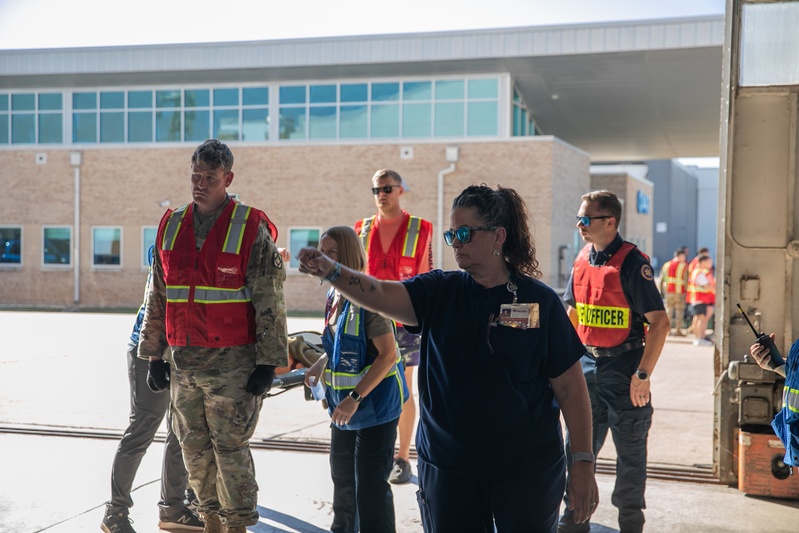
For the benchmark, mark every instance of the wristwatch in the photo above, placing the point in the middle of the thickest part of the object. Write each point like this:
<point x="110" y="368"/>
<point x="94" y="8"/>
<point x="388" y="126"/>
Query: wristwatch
<point x="640" y="374"/>
<point x="356" y="397"/>
<point x="585" y="457"/>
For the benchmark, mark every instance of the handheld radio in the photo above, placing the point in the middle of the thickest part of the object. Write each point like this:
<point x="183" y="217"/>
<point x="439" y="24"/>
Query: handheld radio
<point x="766" y="342"/>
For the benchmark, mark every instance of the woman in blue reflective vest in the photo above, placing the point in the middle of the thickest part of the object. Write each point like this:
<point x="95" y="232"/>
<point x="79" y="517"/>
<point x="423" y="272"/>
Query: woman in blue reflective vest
<point x="365" y="389"/>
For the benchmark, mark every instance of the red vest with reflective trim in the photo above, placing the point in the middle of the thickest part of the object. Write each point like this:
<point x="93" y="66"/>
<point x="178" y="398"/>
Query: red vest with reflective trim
<point x="208" y="303"/>
<point x="604" y="314"/>
<point x="675" y="277"/>
<point x="403" y="259"/>
<point x="701" y="294"/>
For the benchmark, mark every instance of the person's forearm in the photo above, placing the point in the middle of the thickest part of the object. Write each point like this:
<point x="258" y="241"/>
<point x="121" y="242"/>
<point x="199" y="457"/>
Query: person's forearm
<point x="388" y="298"/>
<point x="572" y="395"/>
<point x="152" y="337"/>
<point x="659" y="326"/>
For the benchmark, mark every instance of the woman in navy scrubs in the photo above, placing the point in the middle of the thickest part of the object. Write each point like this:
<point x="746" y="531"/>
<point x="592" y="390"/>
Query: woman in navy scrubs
<point x="499" y="362"/>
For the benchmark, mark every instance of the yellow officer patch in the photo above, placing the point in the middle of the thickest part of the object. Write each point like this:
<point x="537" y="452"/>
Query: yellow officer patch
<point x="277" y="260"/>
<point x="646" y="273"/>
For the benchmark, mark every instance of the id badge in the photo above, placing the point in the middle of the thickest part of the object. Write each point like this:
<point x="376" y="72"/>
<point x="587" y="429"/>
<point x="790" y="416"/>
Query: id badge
<point x="520" y="316"/>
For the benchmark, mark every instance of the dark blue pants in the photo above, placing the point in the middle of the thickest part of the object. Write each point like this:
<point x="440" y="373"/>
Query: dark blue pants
<point x="147" y="410"/>
<point x="526" y="501"/>
<point x="608" y="380"/>
<point x="360" y="463"/>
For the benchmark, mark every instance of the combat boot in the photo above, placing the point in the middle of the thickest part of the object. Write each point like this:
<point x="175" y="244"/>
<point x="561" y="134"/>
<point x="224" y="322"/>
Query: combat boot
<point x="213" y="524"/>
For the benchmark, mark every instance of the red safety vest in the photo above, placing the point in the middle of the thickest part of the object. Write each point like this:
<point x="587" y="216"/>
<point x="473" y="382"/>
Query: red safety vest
<point x="701" y="294"/>
<point x="403" y="260"/>
<point x="675" y="276"/>
<point x="207" y="301"/>
<point x="604" y="317"/>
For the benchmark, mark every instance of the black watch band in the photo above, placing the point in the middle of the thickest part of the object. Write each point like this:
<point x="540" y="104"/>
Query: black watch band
<point x="356" y="397"/>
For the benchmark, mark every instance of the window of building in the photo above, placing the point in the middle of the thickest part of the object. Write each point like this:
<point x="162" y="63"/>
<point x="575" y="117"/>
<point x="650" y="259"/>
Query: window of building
<point x="31" y="118"/>
<point x="523" y="123"/>
<point x="148" y="234"/>
<point x="106" y="246"/>
<point x="10" y="246"/>
<point x="300" y="238"/>
<point x="56" y="246"/>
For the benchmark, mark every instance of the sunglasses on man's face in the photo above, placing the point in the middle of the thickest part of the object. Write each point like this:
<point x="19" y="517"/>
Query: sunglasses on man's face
<point x="586" y="220"/>
<point x="464" y="233"/>
<point x="386" y="189"/>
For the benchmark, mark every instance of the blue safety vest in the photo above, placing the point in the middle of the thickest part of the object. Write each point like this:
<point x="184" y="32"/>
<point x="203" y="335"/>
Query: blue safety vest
<point x="786" y="422"/>
<point x="348" y="363"/>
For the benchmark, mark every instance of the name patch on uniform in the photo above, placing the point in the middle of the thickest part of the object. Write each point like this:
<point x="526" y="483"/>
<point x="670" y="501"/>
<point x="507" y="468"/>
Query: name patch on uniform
<point x="647" y="273"/>
<point x="277" y="260"/>
<point x="599" y="316"/>
<point x="228" y="270"/>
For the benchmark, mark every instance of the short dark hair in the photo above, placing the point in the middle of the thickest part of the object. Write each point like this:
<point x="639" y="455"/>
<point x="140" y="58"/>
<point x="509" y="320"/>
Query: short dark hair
<point x="608" y="201"/>
<point x="214" y="154"/>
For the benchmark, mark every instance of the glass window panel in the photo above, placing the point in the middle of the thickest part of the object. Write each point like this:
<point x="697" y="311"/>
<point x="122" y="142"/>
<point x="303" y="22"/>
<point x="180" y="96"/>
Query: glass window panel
<point x="417" y="90"/>
<point x="385" y="91"/>
<point x="167" y="126"/>
<point x="106" y="246"/>
<point x="770" y="44"/>
<point x="385" y="121"/>
<point x="23" y="128"/>
<point x="112" y="127"/>
<point x="51" y="128"/>
<point x="84" y="100"/>
<point x="23" y="102"/>
<point x="112" y="100"/>
<point x="167" y="99"/>
<point x="353" y="122"/>
<point x="50" y="101"/>
<point x="10" y="245"/>
<point x="197" y="98"/>
<point x="148" y="239"/>
<point x="255" y="96"/>
<point x="524" y="122"/>
<point x="300" y="238"/>
<point x="140" y="127"/>
<point x="354" y="92"/>
<point x="3" y="102"/>
<point x="322" y="124"/>
<point x="449" y="90"/>
<point x="196" y="125"/>
<point x="4" y="129"/>
<point x="255" y="124"/>
<point x="517" y="121"/>
<point x="226" y="97"/>
<point x="483" y="88"/>
<point x="226" y="125"/>
<point x="84" y="127"/>
<point x="292" y="94"/>
<point x="292" y="123"/>
<point x="140" y="99"/>
<point x="323" y="94"/>
<point x="57" y="246"/>
<point x="482" y="118"/>
<point x="449" y="120"/>
<point x="417" y="120"/>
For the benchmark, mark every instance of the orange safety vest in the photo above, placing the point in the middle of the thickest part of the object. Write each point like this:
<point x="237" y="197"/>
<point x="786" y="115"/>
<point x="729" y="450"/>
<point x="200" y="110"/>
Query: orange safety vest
<point x="676" y="278"/>
<point x="701" y="294"/>
<point x="207" y="301"/>
<point x="403" y="260"/>
<point x="604" y="317"/>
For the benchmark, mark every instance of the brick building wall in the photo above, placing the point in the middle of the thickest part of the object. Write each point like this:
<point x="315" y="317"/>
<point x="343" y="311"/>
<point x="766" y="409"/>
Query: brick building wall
<point x="303" y="185"/>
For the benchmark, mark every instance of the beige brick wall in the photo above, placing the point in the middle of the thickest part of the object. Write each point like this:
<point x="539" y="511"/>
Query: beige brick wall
<point x="312" y="186"/>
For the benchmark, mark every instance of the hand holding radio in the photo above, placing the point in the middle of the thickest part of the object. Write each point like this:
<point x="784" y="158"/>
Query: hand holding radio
<point x="767" y="343"/>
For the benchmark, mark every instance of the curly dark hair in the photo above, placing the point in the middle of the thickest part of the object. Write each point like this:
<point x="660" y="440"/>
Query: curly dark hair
<point x="214" y="154"/>
<point x="504" y="208"/>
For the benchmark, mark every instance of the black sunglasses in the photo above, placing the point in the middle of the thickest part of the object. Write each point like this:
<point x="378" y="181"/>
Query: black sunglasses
<point x="464" y="233"/>
<point x="385" y="188"/>
<point x="586" y="221"/>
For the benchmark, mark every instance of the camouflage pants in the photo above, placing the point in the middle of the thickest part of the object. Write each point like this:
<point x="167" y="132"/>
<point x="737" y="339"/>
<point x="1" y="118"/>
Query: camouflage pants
<point x="214" y="418"/>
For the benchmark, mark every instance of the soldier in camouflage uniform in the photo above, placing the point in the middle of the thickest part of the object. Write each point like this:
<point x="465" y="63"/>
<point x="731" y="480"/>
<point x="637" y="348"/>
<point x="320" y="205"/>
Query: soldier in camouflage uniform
<point x="221" y="364"/>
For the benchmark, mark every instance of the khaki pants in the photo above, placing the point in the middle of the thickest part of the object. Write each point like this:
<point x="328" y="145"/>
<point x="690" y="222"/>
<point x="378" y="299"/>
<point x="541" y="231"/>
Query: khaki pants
<point x="675" y="307"/>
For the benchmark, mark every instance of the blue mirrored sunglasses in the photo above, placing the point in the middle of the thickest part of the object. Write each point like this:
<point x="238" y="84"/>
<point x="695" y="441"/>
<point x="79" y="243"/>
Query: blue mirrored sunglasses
<point x="586" y="221"/>
<point x="464" y="233"/>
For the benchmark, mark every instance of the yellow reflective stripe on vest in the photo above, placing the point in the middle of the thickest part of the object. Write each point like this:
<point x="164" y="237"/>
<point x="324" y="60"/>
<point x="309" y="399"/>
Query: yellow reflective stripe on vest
<point x="790" y="399"/>
<point x="172" y="227"/>
<point x="599" y="316"/>
<point x="366" y="228"/>
<point x="345" y="380"/>
<point x="412" y="237"/>
<point x="235" y="230"/>
<point x="215" y="295"/>
<point x="353" y="324"/>
<point x="177" y="293"/>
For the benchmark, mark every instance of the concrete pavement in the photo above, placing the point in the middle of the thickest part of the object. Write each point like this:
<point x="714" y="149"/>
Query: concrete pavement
<point x="67" y="370"/>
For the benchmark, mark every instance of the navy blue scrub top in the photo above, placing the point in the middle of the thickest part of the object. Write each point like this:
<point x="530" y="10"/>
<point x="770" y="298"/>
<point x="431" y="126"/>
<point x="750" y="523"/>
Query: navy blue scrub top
<point x="481" y="412"/>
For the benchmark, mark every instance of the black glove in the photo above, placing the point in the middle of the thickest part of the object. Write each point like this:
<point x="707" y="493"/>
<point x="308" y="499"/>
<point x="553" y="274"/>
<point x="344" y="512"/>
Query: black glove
<point x="260" y="380"/>
<point x="158" y="375"/>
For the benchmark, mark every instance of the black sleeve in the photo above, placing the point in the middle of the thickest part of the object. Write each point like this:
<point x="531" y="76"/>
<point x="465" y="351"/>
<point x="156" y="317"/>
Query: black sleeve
<point x="638" y="283"/>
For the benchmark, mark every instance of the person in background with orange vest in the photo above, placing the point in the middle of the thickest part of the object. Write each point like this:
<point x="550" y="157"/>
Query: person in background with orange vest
<point x="612" y="298"/>
<point x="398" y="246"/>
<point x="702" y="297"/>
<point x="695" y="261"/>
<point x="673" y="286"/>
<point x="216" y="299"/>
